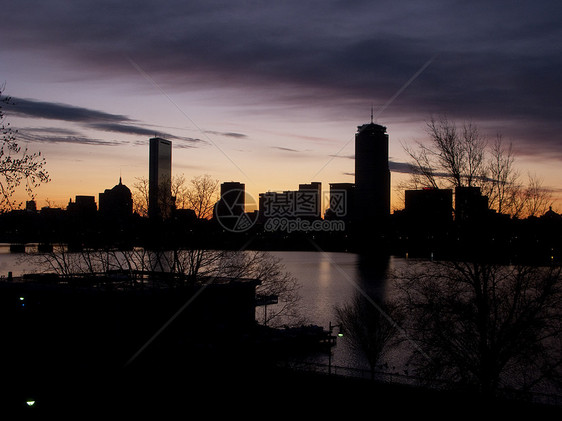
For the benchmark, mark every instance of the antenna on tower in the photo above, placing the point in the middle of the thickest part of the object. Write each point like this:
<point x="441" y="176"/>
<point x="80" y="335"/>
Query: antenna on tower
<point x="371" y="113"/>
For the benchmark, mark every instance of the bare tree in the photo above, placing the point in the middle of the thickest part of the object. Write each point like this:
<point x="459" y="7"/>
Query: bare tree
<point x="484" y="325"/>
<point x="17" y="164"/>
<point x="503" y="187"/>
<point x="275" y="281"/>
<point x="180" y="191"/>
<point x="140" y="196"/>
<point x="370" y="328"/>
<point x="423" y="173"/>
<point x="463" y="157"/>
<point x="474" y="150"/>
<point x="51" y="204"/>
<point x="453" y="157"/>
<point x="202" y="195"/>
<point x="189" y="266"/>
<point x="536" y="199"/>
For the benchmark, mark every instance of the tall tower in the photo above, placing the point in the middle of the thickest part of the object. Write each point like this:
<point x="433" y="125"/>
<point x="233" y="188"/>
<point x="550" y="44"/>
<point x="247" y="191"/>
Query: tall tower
<point x="160" y="178"/>
<point x="372" y="179"/>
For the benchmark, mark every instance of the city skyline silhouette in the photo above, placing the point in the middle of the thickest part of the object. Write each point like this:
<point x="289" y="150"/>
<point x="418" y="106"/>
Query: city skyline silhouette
<point x="434" y="222"/>
<point x="243" y="119"/>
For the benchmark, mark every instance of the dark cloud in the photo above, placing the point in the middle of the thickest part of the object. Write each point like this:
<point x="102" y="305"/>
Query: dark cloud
<point x="281" y="148"/>
<point x="227" y="134"/>
<point x="31" y="131"/>
<point x="400" y="167"/>
<point x="495" y="62"/>
<point x="394" y="166"/>
<point x="142" y="131"/>
<point x="61" y="136"/>
<point x="126" y="129"/>
<point x="93" y="119"/>
<point x="54" y="111"/>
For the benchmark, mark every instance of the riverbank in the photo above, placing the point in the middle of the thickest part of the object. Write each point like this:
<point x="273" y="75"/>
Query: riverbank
<point x="254" y="392"/>
<point x="229" y="380"/>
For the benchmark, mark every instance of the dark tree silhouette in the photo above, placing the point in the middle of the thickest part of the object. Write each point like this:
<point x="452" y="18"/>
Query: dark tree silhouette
<point x="275" y="281"/>
<point x="370" y="328"/>
<point x="483" y="325"/>
<point x="463" y="157"/>
<point x="453" y="157"/>
<point x="17" y="165"/>
<point x="200" y="194"/>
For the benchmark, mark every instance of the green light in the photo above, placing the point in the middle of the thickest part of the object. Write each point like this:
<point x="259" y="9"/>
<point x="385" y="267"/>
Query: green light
<point x="340" y="334"/>
<point x="30" y="403"/>
<point x="22" y="298"/>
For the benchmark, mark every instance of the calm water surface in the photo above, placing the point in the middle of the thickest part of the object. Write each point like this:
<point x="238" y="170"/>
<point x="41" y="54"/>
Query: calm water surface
<point x="328" y="280"/>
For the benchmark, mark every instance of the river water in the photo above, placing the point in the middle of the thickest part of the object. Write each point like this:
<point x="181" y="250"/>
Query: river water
<point x="326" y="280"/>
<point x="332" y="279"/>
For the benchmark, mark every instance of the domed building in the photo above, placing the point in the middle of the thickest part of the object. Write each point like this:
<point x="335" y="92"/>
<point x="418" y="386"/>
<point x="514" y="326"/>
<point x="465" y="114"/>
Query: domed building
<point x="116" y="203"/>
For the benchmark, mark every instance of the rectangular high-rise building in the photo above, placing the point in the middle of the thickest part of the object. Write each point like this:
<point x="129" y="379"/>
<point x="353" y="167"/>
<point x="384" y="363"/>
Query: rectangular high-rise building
<point x="160" y="178"/>
<point x="372" y="178"/>
<point x="309" y="198"/>
<point x="233" y="197"/>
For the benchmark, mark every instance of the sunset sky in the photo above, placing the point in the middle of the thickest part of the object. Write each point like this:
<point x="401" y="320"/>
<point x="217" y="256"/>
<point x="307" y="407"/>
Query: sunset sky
<point x="270" y="93"/>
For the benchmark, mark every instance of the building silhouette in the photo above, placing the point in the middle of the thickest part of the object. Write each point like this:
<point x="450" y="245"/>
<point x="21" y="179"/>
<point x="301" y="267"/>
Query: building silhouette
<point x="31" y="206"/>
<point x="309" y="195"/>
<point x="342" y="198"/>
<point x="304" y="203"/>
<point x="230" y="210"/>
<point x="470" y="204"/>
<point x="233" y="198"/>
<point x="429" y="207"/>
<point x="372" y="179"/>
<point x="160" y="178"/>
<point x="116" y="203"/>
<point x="83" y="206"/>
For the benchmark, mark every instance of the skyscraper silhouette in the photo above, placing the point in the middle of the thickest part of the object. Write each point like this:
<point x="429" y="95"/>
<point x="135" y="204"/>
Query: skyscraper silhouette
<point x="372" y="179"/>
<point x="160" y="178"/>
<point x="233" y="198"/>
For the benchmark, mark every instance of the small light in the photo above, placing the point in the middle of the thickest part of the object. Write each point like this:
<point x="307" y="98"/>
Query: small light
<point x="22" y="298"/>
<point x="340" y="334"/>
<point x="30" y="403"/>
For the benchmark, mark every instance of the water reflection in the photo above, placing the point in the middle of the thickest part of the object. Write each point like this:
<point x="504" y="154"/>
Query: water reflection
<point x="330" y="280"/>
<point x="372" y="275"/>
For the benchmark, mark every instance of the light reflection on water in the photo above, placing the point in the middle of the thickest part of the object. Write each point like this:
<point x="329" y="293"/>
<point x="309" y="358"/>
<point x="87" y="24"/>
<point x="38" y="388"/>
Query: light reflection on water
<point x="12" y="262"/>
<point x="333" y="279"/>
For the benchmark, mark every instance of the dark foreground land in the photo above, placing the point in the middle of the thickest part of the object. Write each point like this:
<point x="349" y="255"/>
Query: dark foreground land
<point x="169" y="392"/>
<point x="90" y="351"/>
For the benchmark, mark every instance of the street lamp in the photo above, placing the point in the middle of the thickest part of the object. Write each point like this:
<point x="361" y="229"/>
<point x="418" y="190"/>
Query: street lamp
<point x="331" y="328"/>
<point x="340" y="334"/>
